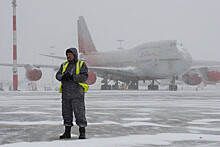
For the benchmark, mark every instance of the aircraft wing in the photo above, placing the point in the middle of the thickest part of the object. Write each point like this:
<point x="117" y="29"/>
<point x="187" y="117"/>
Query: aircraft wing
<point x="9" y="64"/>
<point x="46" y="66"/>
<point x="27" y="66"/>
<point x="100" y="70"/>
<point x="202" y="64"/>
<point x="52" y="56"/>
<point x="205" y="63"/>
<point x="120" y="71"/>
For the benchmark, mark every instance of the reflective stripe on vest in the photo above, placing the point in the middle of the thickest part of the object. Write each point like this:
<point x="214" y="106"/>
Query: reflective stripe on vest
<point x="78" y="66"/>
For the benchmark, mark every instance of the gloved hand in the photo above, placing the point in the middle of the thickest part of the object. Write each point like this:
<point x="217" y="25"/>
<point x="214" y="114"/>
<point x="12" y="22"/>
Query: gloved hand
<point x="66" y="77"/>
<point x="71" y="77"/>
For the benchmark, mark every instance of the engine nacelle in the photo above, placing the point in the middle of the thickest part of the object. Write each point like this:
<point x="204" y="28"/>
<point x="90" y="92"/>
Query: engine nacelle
<point x="92" y="78"/>
<point x="33" y="74"/>
<point x="192" y="78"/>
<point x="213" y="76"/>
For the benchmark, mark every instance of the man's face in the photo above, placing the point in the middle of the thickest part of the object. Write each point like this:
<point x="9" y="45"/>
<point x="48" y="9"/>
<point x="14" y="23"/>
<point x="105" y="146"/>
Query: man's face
<point x="70" y="56"/>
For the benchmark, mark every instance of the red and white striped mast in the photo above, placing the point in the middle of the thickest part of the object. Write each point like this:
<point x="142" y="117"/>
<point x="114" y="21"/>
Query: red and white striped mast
<point x="14" y="69"/>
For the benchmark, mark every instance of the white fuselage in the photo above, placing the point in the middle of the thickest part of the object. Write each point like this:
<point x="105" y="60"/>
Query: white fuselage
<point x="154" y="60"/>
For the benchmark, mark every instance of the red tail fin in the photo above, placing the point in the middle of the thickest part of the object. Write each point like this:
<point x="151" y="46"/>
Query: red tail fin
<point x="85" y="42"/>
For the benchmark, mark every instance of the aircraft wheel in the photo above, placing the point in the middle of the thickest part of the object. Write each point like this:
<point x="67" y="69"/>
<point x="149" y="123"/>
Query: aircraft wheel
<point x="171" y="87"/>
<point x="155" y="87"/>
<point x="149" y="87"/>
<point x="175" y="88"/>
<point x="133" y="87"/>
<point x="103" y="87"/>
<point x="136" y="87"/>
<point x="108" y="87"/>
<point x="114" y="87"/>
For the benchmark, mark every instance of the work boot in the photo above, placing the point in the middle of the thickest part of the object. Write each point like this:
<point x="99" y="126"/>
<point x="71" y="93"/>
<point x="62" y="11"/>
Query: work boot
<point x="82" y="133"/>
<point x="67" y="133"/>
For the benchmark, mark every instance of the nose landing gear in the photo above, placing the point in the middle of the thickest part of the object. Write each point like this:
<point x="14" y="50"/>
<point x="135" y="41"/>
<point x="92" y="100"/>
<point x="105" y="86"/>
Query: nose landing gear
<point x="152" y="86"/>
<point x="173" y="86"/>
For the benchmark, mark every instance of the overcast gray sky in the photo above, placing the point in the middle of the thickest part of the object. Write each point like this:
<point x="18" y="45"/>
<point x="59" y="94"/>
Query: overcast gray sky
<point x="45" y="23"/>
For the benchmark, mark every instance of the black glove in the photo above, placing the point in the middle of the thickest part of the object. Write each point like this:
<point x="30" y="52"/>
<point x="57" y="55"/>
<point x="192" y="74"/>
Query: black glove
<point x="66" y="77"/>
<point x="71" y="77"/>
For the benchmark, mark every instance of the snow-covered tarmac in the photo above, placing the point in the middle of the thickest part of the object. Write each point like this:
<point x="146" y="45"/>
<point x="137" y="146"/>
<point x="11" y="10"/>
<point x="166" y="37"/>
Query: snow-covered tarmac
<point x="115" y="118"/>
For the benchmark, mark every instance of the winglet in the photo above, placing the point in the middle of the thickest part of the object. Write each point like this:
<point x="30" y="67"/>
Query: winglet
<point x="85" y="42"/>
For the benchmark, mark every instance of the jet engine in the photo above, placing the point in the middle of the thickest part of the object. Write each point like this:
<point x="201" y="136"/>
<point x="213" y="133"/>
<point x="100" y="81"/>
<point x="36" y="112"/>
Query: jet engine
<point x="192" y="78"/>
<point x="92" y="78"/>
<point x="213" y="76"/>
<point x="33" y="74"/>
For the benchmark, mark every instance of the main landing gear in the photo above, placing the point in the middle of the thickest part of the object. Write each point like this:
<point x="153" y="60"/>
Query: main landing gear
<point x="105" y="86"/>
<point x="152" y="86"/>
<point x="133" y="85"/>
<point x="109" y="87"/>
<point x="173" y="86"/>
<point x="130" y="85"/>
<point x="115" y="86"/>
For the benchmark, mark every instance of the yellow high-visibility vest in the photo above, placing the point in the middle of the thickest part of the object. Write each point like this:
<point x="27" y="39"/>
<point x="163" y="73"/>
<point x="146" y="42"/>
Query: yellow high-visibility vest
<point x="78" y="66"/>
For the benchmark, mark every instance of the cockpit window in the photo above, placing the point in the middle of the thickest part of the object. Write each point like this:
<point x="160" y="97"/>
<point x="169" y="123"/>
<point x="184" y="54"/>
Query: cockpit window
<point x="180" y="47"/>
<point x="172" y="44"/>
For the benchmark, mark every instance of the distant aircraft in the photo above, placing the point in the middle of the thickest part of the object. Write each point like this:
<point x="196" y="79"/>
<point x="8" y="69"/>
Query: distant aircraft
<point x="149" y="61"/>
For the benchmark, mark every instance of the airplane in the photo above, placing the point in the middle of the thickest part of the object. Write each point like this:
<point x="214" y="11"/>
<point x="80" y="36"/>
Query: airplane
<point x="150" y="61"/>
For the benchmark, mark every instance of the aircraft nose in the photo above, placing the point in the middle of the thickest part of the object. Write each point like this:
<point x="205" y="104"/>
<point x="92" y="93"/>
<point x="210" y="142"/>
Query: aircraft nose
<point x="186" y="58"/>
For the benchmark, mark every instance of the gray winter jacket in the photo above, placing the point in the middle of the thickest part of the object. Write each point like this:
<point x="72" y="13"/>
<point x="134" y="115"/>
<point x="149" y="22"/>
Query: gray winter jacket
<point x="71" y="89"/>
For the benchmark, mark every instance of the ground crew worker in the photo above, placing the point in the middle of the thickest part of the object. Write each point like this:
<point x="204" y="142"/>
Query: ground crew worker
<point x="73" y="92"/>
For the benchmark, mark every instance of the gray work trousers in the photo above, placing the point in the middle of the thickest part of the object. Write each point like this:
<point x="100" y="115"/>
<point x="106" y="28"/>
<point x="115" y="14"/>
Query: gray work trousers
<point x="78" y="107"/>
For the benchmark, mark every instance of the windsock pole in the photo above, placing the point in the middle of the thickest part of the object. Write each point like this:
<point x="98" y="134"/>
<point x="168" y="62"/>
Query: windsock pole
<point x="14" y="69"/>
